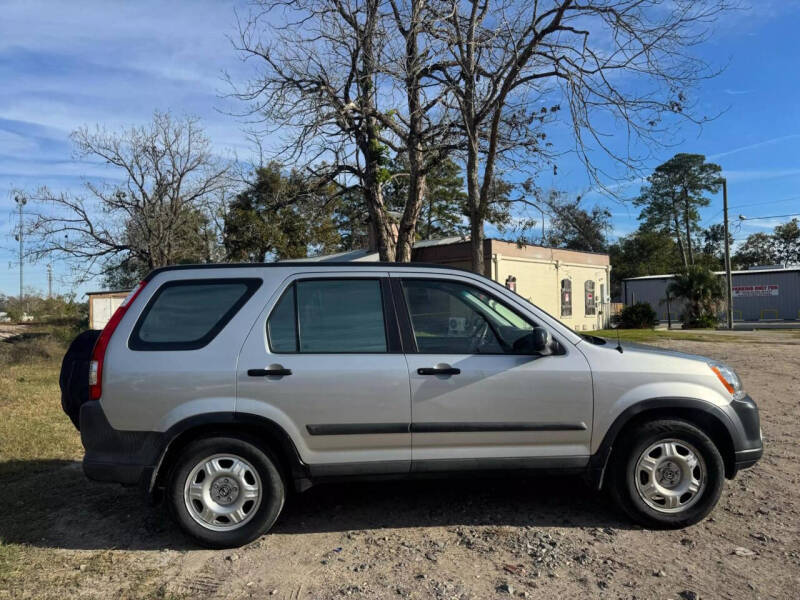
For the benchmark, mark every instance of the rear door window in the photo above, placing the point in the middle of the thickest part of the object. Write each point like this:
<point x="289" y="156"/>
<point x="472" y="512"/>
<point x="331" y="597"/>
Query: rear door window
<point x="329" y="316"/>
<point x="188" y="314"/>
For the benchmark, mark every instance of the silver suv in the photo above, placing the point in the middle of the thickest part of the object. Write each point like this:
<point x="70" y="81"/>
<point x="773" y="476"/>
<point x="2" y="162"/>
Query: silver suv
<point x="224" y="387"/>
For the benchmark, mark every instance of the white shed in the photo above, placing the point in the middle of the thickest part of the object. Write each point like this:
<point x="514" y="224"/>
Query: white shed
<point x="102" y="305"/>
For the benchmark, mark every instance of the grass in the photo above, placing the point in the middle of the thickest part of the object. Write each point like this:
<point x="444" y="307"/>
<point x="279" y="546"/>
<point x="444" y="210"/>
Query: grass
<point x="697" y="335"/>
<point x="33" y="426"/>
<point x="38" y="450"/>
<point x="34" y="433"/>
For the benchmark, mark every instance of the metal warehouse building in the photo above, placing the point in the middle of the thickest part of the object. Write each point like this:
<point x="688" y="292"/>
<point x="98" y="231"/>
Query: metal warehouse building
<point x="761" y="294"/>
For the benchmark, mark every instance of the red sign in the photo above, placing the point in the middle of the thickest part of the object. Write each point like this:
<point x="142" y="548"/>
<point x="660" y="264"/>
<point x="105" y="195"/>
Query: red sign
<point x="750" y="291"/>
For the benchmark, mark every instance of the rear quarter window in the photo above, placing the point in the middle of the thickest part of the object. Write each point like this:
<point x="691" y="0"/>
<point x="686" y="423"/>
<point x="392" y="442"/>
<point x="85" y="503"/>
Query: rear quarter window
<point x="188" y="314"/>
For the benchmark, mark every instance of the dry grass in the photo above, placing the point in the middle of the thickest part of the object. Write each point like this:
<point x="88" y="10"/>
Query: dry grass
<point x="33" y="427"/>
<point x="39" y="450"/>
<point x="29" y="348"/>
<point x="33" y="433"/>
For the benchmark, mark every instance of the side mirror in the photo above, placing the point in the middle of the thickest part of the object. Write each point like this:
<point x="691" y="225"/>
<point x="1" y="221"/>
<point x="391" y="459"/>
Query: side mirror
<point x="535" y="342"/>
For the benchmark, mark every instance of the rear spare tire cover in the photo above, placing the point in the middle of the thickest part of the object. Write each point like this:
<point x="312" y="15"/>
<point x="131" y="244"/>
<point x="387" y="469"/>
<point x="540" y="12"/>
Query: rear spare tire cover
<point x="74" y="378"/>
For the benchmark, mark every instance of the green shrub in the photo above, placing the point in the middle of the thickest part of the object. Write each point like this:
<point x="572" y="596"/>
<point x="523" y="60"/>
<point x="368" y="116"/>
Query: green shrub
<point x="638" y="316"/>
<point x="40" y="341"/>
<point x="702" y="321"/>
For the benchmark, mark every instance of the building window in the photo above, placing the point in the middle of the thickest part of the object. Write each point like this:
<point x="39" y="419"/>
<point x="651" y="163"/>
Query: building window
<point x="566" y="298"/>
<point x="588" y="288"/>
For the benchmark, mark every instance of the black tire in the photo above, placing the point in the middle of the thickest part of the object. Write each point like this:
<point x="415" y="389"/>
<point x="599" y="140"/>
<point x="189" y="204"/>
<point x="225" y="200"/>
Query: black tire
<point x="271" y="503"/>
<point x="622" y="474"/>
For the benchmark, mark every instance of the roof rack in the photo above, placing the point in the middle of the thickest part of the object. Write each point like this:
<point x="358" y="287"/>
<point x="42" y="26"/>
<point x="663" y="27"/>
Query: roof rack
<point x="295" y="264"/>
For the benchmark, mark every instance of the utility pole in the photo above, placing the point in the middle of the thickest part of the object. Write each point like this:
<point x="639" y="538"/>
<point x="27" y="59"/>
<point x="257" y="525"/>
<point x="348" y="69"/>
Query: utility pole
<point x="728" y="280"/>
<point x="21" y="201"/>
<point x="669" y="314"/>
<point x="49" y="280"/>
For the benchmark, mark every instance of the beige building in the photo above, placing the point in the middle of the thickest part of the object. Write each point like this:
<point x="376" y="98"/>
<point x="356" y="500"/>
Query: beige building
<point x="572" y="286"/>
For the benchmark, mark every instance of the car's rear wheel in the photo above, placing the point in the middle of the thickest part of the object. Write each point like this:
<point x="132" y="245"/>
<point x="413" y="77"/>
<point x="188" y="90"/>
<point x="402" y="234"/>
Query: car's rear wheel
<point x="667" y="473"/>
<point x="225" y="491"/>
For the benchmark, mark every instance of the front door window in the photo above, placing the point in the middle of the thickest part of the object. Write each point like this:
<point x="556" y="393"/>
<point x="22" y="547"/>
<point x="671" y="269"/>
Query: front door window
<point x="453" y="318"/>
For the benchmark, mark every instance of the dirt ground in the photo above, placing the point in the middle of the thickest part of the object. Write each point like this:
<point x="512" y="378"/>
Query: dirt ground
<point x="536" y="538"/>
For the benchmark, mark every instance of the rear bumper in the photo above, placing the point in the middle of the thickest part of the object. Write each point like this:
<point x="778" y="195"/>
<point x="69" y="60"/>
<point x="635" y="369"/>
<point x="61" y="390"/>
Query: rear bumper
<point x="112" y="455"/>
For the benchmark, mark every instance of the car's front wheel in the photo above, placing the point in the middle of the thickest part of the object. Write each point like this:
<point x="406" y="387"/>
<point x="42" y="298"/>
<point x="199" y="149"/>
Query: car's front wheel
<point x="667" y="473"/>
<point x="225" y="491"/>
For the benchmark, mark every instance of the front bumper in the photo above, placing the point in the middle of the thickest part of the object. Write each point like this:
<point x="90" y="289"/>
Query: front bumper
<point x="748" y="445"/>
<point x="113" y="455"/>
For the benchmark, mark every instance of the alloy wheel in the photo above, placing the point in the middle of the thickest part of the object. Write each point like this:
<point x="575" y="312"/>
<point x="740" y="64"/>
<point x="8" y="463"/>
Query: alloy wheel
<point x="670" y="475"/>
<point x="222" y="492"/>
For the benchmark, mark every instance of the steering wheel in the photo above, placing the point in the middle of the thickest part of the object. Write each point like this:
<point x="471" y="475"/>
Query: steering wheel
<point x="480" y="334"/>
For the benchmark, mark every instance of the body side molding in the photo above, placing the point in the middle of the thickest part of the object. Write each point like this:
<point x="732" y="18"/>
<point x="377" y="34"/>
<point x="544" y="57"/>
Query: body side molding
<point x="438" y="427"/>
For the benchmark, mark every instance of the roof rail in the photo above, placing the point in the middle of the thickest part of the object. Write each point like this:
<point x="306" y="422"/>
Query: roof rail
<point x="295" y="264"/>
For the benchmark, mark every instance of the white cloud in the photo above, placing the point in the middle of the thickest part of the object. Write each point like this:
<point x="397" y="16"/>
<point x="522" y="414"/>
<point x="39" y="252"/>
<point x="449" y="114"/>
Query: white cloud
<point x="783" y="138"/>
<point x="759" y="174"/>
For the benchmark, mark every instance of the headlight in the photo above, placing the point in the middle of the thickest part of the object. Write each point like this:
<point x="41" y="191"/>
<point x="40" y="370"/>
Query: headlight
<point x="729" y="379"/>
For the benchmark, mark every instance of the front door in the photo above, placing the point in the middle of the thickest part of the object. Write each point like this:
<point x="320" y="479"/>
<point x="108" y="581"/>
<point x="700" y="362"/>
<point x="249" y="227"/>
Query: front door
<point x="324" y="362"/>
<point x="476" y="400"/>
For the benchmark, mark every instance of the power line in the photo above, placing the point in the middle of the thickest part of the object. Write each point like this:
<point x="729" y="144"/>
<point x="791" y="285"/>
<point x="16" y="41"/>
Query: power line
<point x="719" y="212"/>
<point x="790" y="198"/>
<point x="743" y="218"/>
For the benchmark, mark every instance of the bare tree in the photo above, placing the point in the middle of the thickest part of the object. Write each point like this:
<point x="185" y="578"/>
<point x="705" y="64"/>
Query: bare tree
<point x="426" y="127"/>
<point x="317" y="86"/>
<point x="159" y="214"/>
<point x="347" y="83"/>
<point x="624" y="59"/>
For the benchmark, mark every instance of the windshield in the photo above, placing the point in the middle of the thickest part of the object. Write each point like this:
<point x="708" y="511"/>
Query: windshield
<point x="492" y="310"/>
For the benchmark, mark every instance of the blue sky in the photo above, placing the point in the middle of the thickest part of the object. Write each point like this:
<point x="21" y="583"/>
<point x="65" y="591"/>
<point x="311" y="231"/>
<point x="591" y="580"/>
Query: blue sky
<point x="63" y="65"/>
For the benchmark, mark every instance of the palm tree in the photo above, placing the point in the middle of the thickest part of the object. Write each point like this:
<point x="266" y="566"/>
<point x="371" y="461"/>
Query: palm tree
<point x="702" y="291"/>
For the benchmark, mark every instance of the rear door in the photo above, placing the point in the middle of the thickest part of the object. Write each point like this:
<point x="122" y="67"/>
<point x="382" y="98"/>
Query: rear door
<point x="324" y="361"/>
<point x="476" y="401"/>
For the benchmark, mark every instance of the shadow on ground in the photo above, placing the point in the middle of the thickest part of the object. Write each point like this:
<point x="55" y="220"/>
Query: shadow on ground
<point x="51" y="504"/>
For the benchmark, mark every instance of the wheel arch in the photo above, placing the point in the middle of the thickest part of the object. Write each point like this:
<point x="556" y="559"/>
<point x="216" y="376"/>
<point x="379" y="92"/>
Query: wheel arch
<point x="710" y="418"/>
<point x="264" y="432"/>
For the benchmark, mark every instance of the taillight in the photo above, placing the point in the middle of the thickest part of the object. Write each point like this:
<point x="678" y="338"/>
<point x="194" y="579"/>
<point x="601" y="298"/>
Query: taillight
<point x="99" y="351"/>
